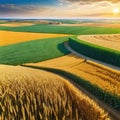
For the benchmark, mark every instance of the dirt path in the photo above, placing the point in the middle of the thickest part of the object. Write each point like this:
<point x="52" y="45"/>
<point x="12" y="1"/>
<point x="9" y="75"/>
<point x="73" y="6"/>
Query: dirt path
<point x="88" y="58"/>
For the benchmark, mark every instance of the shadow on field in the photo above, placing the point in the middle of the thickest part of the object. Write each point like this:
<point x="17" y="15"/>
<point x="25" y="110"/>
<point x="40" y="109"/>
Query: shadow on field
<point x="62" y="48"/>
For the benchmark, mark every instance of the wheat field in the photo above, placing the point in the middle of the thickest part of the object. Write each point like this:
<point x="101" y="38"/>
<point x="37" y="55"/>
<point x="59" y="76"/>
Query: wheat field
<point x="108" y="25"/>
<point x="105" y="78"/>
<point x="16" y="24"/>
<point x="111" y="41"/>
<point x="30" y="94"/>
<point x="10" y="37"/>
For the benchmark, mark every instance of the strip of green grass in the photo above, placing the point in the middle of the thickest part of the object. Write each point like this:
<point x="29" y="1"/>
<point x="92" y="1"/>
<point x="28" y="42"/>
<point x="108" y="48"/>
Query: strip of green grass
<point x="75" y="30"/>
<point x="107" y="97"/>
<point x="95" y="51"/>
<point x="33" y="51"/>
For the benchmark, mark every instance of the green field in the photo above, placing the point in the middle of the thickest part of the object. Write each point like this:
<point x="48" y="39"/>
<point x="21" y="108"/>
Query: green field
<point x="75" y="30"/>
<point x="36" y="51"/>
<point x="33" y="51"/>
<point x="95" y="51"/>
<point x="45" y="49"/>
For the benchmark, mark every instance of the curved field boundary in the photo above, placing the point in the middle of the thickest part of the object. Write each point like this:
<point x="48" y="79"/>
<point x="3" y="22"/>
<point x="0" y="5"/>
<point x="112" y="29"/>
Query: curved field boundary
<point x="97" y="74"/>
<point x="91" y="90"/>
<point x="33" y="51"/>
<point x="9" y="37"/>
<point x="95" y="51"/>
<point x="88" y="58"/>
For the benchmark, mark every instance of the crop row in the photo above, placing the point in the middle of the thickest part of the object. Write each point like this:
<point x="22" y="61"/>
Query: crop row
<point x="107" y="97"/>
<point x="95" y="51"/>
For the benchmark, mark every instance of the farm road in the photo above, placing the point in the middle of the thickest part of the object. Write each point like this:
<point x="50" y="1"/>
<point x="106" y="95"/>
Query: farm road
<point x="88" y="58"/>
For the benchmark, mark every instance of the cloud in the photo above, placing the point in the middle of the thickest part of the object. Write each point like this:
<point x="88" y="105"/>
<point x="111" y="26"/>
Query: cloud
<point x="17" y="9"/>
<point x="64" y="9"/>
<point x="27" y="11"/>
<point x="91" y="1"/>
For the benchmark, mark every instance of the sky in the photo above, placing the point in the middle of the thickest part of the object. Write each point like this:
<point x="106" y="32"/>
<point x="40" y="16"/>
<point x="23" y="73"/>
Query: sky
<point x="59" y="8"/>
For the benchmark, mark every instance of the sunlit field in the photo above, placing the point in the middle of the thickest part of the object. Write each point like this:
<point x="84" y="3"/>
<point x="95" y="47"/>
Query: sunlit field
<point x="9" y="37"/>
<point x="34" y="94"/>
<point x="108" y="41"/>
<point x="16" y="24"/>
<point x="105" y="78"/>
<point x="59" y="59"/>
<point x="48" y="89"/>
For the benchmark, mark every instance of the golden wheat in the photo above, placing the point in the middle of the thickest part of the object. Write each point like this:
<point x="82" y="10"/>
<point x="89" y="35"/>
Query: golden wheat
<point x="16" y="24"/>
<point x="105" y="78"/>
<point x="29" y="94"/>
<point x="108" y="25"/>
<point x="110" y="41"/>
<point x="9" y="37"/>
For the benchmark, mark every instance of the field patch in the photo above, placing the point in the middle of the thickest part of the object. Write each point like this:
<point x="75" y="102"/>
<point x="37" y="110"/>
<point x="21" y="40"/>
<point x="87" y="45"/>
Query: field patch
<point x="9" y="37"/>
<point x="109" y="41"/>
<point x="36" y="94"/>
<point x="74" y="30"/>
<point x="16" y="24"/>
<point x="33" y="51"/>
<point x="106" y="79"/>
<point x="88" y="70"/>
<point x="95" y="51"/>
<point x="107" y="25"/>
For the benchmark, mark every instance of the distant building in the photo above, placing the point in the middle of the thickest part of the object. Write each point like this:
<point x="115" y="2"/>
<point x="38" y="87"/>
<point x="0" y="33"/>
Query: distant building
<point x="55" y="23"/>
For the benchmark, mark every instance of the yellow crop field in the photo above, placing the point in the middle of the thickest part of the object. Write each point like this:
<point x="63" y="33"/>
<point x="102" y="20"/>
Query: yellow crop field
<point x="110" y="41"/>
<point x="16" y="24"/>
<point x="105" y="78"/>
<point x="108" y="25"/>
<point x="30" y="94"/>
<point x="9" y="37"/>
